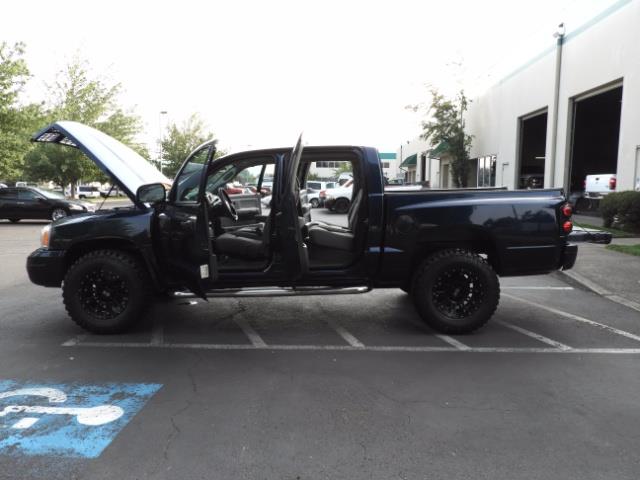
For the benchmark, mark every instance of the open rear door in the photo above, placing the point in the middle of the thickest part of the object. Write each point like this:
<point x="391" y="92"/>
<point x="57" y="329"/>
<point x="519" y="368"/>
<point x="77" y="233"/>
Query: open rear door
<point x="294" y="250"/>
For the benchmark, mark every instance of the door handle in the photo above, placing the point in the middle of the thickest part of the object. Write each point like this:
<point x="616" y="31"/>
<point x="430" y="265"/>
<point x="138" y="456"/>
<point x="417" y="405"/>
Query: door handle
<point x="188" y="225"/>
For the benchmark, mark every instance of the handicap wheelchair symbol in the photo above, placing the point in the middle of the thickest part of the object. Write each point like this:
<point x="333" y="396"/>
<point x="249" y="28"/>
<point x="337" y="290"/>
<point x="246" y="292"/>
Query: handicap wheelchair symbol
<point x="70" y="420"/>
<point x="86" y="416"/>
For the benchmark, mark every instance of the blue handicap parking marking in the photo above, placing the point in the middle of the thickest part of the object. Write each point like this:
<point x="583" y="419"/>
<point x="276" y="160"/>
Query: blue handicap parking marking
<point x="70" y="420"/>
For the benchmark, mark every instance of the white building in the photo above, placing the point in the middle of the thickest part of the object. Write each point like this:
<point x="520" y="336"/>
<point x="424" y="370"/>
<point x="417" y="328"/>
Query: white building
<point x="571" y="111"/>
<point x="390" y="165"/>
<point x="326" y="170"/>
<point x="417" y="163"/>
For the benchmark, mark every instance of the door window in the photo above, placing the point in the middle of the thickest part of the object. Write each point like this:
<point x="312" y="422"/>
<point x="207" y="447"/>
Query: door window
<point x="6" y="194"/>
<point x="187" y="185"/>
<point x="27" y="195"/>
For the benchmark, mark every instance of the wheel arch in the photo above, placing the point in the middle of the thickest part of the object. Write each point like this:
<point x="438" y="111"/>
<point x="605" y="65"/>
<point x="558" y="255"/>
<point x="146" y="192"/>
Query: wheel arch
<point x="145" y="256"/>
<point x="476" y="240"/>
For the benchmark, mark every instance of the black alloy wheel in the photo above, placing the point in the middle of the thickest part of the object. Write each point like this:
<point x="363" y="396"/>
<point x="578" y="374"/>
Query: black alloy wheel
<point x="106" y="291"/>
<point x="103" y="293"/>
<point x="458" y="292"/>
<point x="455" y="291"/>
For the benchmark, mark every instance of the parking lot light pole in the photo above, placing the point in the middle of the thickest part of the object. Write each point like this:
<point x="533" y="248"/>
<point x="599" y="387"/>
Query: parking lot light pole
<point x="559" y="35"/>
<point x="160" y="161"/>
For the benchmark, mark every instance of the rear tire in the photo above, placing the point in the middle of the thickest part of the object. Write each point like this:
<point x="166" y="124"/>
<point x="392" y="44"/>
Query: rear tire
<point x="106" y="291"/>
<point x="456" y="291"/>
<point x="315" y="203"/>
<point x="341" y="205"/>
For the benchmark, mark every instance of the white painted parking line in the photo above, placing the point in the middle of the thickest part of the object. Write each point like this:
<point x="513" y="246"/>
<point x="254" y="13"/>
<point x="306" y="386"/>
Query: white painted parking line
<point x="344" y="333"/>
<point x="157" y="334"/>
<point x="254" y="337"/>
<point x="534" y="288"/>
<point x="577" y="318"/>
<point x="349" y="348"/>
<point x="531" y="334"/>
<point x="74" y="341"/>
<point x="453" y="342"/>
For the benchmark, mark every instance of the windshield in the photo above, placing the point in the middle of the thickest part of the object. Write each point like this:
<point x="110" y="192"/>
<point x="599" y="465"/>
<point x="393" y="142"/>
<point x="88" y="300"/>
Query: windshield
<point x="49" y="194"/>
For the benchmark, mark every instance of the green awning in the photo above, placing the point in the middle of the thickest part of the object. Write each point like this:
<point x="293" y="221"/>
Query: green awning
<point x="410" y="161"/>
<point x="443" y="147"/>
<point x="387" y="156"/>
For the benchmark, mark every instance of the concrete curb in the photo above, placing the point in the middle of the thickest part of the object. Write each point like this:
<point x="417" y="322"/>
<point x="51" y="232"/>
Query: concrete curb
<point x="594" y="287"/>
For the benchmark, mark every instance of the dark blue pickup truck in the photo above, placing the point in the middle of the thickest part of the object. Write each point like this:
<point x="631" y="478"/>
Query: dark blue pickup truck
<point x="210" y="232"/>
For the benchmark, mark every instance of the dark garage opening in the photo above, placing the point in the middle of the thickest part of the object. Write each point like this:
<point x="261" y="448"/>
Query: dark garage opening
<point x="533" y="141"/>
<point x="596" y="130"/>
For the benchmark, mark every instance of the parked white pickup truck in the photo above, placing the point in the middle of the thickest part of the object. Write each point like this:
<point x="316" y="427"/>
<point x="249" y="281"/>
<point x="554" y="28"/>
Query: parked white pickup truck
<point x="339" y="199"/>
<point x="599" y="185"/>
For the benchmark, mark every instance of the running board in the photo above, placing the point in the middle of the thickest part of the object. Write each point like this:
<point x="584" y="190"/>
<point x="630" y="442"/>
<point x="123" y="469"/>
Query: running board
<point x="276" y="292"/>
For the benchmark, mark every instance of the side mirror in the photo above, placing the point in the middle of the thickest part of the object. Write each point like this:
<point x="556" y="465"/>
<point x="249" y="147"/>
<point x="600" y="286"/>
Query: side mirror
<point x="151" y="193"/>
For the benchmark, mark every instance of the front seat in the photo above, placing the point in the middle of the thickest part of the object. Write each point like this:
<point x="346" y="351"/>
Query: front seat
<point x="333" y="236"/>
<point x="245" y="243"/>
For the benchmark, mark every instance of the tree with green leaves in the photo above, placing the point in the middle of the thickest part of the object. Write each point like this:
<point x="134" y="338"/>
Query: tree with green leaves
<point x="90" y="100"/>
<point x="17" y="121"/>
<point x="180" y="141"/>
<point x="445" y="130"/>
<point x="345" y="167"/>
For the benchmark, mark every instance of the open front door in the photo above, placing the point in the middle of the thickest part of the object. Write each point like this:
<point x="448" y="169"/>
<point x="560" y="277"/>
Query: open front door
<point x="289" y="223"/>
<point x="184" y="225"/>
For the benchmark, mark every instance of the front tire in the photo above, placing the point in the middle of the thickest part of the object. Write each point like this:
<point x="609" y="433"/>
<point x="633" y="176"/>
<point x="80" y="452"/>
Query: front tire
<point x="106" y="291"/>
<point x="341" y="205"/>
<point x="315" y="203"/>
<point x="456" y="291"/>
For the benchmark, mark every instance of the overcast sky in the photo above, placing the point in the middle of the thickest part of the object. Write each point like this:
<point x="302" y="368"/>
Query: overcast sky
<point x="259" y="72"/>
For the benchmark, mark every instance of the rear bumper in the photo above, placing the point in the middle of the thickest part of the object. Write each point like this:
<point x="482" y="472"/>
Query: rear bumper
<point x="46" y="267"/>
<point x="568" y="258"/>
<point x="590" y="235"/>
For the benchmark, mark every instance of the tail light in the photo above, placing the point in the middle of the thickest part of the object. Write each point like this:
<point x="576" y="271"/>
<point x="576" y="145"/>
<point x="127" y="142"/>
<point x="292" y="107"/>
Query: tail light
<point x="322" y="194"/>
<point x="567" y="226"/>
<point x="612" y="183"/>
<point x="567" y="210"/>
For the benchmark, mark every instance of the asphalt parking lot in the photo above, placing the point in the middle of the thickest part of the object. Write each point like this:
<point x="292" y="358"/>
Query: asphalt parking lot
<point x="350" y="386"/>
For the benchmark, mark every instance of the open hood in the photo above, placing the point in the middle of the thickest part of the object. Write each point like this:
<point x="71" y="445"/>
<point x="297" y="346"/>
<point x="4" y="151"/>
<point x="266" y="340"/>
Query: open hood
<point x="124" y="166"/>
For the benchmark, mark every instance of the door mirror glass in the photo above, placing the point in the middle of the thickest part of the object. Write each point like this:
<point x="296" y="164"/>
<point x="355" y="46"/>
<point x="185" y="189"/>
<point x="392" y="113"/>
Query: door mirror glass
<point x="151" y="193"/>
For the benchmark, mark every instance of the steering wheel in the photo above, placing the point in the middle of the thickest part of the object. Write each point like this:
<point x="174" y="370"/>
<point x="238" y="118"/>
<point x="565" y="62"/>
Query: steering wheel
<point x="228" y="205"/>
<point x="212" y="200"/>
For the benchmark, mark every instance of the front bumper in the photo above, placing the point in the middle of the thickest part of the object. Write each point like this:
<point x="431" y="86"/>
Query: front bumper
<point x="46" y="267"/>
<point x="568" y="258"/>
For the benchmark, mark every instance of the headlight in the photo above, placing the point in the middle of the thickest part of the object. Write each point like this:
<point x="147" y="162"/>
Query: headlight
<point x="90" y="207"/>
<point x="73" y="206"/>
<point x="44" y="236"/>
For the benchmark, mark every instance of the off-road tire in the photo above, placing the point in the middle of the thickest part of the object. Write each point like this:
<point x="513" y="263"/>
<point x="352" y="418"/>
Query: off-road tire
<point x="445" y="275"/>
<point x="341" y="205"/>
<point x="132" y="278"/>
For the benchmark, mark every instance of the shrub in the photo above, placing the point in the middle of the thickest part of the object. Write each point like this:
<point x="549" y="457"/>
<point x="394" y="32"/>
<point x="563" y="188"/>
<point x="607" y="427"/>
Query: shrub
<point x="621" y="210"/>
